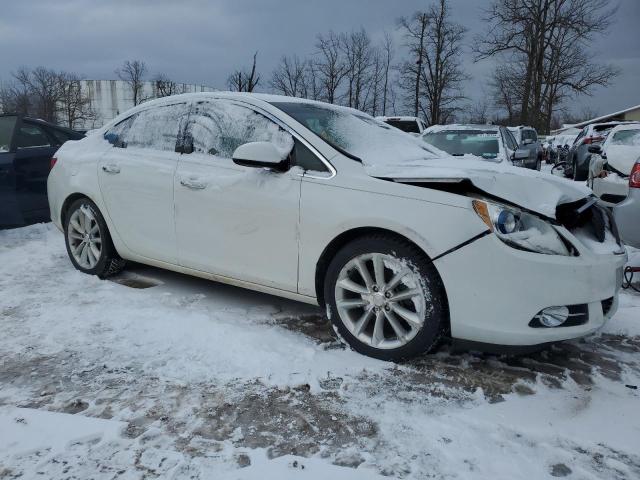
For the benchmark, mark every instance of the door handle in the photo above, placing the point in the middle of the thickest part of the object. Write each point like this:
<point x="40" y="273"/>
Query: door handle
<point x="193" y="184"/>
<point x="111" y="168"/>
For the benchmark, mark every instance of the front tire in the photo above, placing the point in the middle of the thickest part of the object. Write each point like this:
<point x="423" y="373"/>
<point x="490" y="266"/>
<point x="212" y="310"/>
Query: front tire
<point x="88" y="241"/>
<point x="385" y="298"/>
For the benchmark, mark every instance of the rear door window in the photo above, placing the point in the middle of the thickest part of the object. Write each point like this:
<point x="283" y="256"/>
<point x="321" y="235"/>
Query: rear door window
<point x="7" y="125"/>
<point x="156" y="128"/>
<point x="32" y="136"/>
<point x="409" y="126"/>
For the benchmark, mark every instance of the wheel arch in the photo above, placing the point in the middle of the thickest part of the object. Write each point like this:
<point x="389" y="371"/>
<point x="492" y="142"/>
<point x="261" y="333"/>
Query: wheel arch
<point x="352" y="234"/>
<point x="68" y="201"/>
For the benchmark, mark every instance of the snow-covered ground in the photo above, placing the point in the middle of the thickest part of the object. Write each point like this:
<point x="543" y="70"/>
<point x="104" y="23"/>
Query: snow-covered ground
<point x="193" y="379"/>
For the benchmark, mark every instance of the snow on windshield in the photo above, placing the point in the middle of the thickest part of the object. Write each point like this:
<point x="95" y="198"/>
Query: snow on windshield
<point x="372" y="141"/>
<point x="481" y="143"/>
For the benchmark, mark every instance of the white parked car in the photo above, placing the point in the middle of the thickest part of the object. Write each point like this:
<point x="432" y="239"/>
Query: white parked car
<point x="487" y="142"/>
<point x="616" y="156"/>
<point x="329" y="206"/>
<point x="412" y="125"/>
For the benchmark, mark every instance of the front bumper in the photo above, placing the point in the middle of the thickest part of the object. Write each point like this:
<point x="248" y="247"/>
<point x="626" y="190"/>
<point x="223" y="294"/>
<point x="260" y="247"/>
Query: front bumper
<point x="494" y="291"/>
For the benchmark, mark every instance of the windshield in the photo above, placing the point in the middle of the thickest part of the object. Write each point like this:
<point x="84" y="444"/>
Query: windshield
<point x="357" y="134"/>
<point x="481" y="143"/>
<point x="409" y="126"/>
<point x="626" y="137"/>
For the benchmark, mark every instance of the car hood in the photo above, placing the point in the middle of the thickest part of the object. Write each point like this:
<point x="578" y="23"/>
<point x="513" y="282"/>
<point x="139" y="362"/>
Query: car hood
<point x="535" y="191"/>
<point x="623" y="157"/>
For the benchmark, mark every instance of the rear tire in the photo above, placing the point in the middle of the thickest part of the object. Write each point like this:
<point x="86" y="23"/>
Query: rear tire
<point x="396" y="309"/>
<point x="578" y="174"/>
<point x="88" y="241"/>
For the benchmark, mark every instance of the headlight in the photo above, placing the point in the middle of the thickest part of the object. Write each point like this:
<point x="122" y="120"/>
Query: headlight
<point x="521" y="229"/>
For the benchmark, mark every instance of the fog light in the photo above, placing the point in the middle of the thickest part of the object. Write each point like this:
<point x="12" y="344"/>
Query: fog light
<point x="554" y="316"/>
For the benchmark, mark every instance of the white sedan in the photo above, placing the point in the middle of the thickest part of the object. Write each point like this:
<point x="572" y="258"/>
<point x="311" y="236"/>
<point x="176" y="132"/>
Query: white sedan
<point x="400" y="243"/>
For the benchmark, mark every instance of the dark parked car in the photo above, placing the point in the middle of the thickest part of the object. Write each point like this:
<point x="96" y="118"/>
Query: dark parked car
<point x="26" y="148"/>
<point x="527" y="138"/>
<point x="579" y="155"/>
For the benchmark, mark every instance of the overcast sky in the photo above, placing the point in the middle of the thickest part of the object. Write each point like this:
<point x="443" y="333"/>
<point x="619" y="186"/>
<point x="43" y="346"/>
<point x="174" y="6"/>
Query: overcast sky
<point x="201" y="41"/>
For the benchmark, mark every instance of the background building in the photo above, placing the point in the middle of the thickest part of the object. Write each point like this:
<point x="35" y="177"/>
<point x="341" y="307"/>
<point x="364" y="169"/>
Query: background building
<point x="109" y="98"/>
<point x="627" y="115"/>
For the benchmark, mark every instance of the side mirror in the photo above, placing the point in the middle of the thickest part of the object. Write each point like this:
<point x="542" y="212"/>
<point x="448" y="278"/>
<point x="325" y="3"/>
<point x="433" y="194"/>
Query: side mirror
<point x="114" y="139"/>
<point x="527" y="141"/>
<point x="261" y="155"/>
<point x="595" y="149"/>
<point x="520" y="154"/>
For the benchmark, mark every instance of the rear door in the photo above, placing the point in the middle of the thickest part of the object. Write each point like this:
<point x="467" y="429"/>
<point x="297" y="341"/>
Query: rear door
<point x="136" y="180"/>
<point x="34" y="148"/>
<point x="10" y="215"/>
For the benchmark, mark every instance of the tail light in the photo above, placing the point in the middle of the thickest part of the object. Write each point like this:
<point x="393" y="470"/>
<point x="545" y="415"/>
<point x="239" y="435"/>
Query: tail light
<point x="54" y="160"/>
<point x="590" y="140"/>
<point x="634" y="178"/>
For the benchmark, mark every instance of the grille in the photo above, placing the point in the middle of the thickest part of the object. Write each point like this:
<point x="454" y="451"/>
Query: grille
<point x="606" y="305"/>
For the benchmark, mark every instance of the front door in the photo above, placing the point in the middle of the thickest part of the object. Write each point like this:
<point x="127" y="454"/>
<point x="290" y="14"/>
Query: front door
<point x="136" y="180"/>
<point x="234" y="221"/>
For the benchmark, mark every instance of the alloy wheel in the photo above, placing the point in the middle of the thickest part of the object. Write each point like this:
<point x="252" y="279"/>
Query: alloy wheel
<point x="84" y="237"/>
<point x="381" y="300"/>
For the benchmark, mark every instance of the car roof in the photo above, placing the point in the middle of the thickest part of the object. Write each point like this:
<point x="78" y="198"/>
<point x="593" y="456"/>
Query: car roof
<point x="626" y="126"/>
<point x="256" y="99"/>
<point x="36" y="120"/>
<point x="401" y="118"/>
<point x="462" y="126"/>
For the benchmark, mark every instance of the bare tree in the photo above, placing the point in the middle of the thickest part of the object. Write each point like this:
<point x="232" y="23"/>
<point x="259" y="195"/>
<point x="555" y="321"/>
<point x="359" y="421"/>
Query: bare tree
<point x="43" y="87"/>
<point x="133" y="72"/>
<point x="74" y="104"/>
<point x="479" y="112"/>
<point x="245" y="80"/>
<point x="506" y="84"/>
<point x="434" y="79"/>
<point x="330" y="66"/>
<point x="165" y="87"/>
<point x="15" y="98"/>
<point x="442" y="73"/>
<point x="311" y="84"/>
<point x="548" y="41"/>
<point x="415" y="31"/>
<point x="358" y="57"/>
<point x="387" y="59"/>
<point x="290" y="77"/>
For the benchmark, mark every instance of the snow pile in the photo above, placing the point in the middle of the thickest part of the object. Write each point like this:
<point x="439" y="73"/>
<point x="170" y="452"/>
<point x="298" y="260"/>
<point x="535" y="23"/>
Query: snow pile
<point x="207" y="382"/>
<point x="26" y="431"/>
